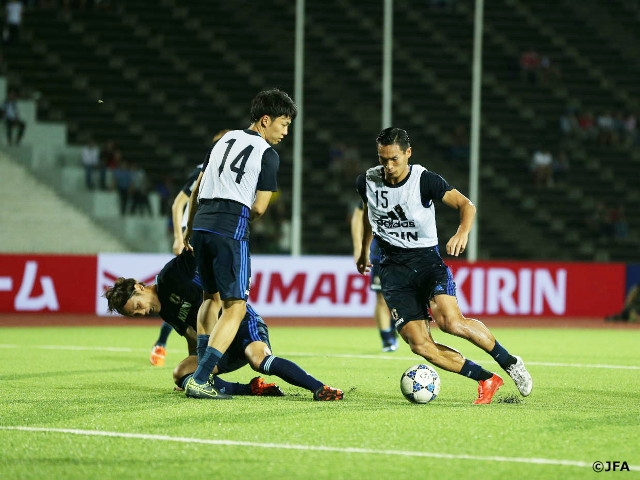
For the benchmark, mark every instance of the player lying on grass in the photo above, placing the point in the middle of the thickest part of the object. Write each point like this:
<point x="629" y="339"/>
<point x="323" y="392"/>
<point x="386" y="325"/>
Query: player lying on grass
<point x="176" y="297"/>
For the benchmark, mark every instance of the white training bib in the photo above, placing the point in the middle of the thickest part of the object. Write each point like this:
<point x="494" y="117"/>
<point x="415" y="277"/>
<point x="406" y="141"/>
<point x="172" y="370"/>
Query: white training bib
<point x="396" y="213"/>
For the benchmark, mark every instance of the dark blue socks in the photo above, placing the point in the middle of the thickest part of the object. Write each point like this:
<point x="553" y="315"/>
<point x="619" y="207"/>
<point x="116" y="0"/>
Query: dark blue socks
<point x="231" y="388"/>
<point x="201" y="346"/>
<point x="206" y="365"/>
<point x="289" y="372"/>
<point x="472" y="370"/>
<point x="500" y="355"/>
<point x="165" y="330"/>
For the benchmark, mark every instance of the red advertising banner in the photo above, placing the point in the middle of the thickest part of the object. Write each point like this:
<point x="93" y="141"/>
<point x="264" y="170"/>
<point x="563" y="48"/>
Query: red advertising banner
<point x="539" y="288"/>
<point x="48" y="283"/>
<point x="322" y="286"/>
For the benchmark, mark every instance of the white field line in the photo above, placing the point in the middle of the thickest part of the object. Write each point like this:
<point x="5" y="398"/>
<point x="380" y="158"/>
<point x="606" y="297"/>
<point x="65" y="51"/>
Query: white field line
<point x="314" y="448"/>
<point x="385" y="357"/>
<point x="391" y="356"/>
<point x="75" y="347"/>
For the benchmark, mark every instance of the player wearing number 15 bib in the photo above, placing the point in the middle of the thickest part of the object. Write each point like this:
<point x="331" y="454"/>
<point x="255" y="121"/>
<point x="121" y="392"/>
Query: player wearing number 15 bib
<point x="237" y="180"/>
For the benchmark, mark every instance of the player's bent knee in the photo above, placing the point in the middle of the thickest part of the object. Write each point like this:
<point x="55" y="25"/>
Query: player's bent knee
<point x="184" y="368"/>
<point x="255" y="353"/>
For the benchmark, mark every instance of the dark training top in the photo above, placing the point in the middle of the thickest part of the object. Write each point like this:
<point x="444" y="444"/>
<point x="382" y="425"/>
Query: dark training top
<point x="180" y="292"/>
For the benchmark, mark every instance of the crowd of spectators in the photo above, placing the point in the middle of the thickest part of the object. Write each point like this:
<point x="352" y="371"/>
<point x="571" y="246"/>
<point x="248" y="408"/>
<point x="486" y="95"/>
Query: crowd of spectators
<point x="607" y="127"/>
<point x="608" y="222"/>
<point x="116" y="173"/>
<point x="538" y="68"/>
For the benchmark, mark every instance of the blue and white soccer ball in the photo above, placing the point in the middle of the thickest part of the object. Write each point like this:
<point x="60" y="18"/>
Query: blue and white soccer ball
<point x="420" y="384"/>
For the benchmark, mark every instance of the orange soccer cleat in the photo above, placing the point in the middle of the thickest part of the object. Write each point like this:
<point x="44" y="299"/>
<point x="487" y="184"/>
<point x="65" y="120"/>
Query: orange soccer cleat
<point x="328" y="393"/>
<point x="158" y="352"/>
<point x="487" y="388"/>
<point x="261" y="389"/>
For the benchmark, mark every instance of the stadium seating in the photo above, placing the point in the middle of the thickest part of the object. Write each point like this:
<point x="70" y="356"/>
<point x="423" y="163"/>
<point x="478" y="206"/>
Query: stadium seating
<point x="172" y="75"/>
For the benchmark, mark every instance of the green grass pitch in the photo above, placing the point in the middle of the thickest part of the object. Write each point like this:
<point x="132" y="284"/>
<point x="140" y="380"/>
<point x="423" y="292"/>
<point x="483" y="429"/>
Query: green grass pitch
<point x="83" y="402"/>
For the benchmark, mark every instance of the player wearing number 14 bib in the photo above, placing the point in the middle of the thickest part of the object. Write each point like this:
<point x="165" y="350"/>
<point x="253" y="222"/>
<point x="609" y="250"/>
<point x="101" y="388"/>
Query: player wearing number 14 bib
<point x="234" y="188"/>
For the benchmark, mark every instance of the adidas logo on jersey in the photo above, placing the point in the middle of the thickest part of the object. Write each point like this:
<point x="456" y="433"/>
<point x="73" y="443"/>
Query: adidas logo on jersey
<point x="395" y="218"/>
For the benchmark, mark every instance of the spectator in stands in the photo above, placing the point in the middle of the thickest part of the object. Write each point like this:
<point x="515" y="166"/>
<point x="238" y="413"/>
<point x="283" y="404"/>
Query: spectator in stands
<point x="569" y="125"/>
<point x="630" y="131"/>
<point x="606" y="128"/>
<point x="459" y="144"/>
<point x="108" y="159"/>
<point x="283" y="222"/>
<point x="165" y="190"/>
<point x="108" y="154"/>
<point x="587" y="123"/>
<point x="13" y="22"/>
<point x="12" y="117"/>
<point x="91" y="161"/>
<point x="549" y="71"/>
<point x="598" y="222"/>
<point x="619" y="126"/>
<point x="122" y="181"/>
<point x="561" y="166"/>
<point x="529" y="64"/>
<point x="139" y="191"/>
<point x="542" y="168"/>
<point x="618" y="222"/>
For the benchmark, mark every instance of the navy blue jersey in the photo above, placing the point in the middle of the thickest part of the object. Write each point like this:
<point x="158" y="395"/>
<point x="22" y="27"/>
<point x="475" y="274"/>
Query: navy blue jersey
<point x="191" y="181"/>
<point x="180" y="292"/>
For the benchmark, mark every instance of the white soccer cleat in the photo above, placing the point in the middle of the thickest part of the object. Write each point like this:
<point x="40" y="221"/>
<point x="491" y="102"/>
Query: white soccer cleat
<point x="522" y="378"/>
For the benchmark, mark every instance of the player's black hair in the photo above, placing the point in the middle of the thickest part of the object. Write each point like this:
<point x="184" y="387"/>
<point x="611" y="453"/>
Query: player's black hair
<point x="274" y="103"/>
<point x="394" y="136"/>
<point x="118" y="295"/>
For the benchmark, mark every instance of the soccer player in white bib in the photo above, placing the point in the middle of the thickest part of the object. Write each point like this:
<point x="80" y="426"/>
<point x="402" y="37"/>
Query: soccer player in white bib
<point x="399" y="211"/>
<point x="234" y="188"/>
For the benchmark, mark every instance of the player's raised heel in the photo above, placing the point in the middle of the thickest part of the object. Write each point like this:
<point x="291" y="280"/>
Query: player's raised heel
<point x="518" y="372"/>
<point x="328" y="393"/>
<point x="194" y="389"/>
<point x="487" y="388"/>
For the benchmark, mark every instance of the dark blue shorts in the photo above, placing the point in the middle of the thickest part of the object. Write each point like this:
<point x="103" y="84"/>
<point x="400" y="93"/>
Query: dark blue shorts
<point x="374" y="278"/>
<point x="410" y="279"/>
<point x="223" y="263"/>
<point x="252" y="329"/>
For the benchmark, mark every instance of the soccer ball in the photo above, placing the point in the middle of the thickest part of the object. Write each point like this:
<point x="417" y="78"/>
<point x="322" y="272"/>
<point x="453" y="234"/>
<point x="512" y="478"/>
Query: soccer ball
<point x="420" y="384"/>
